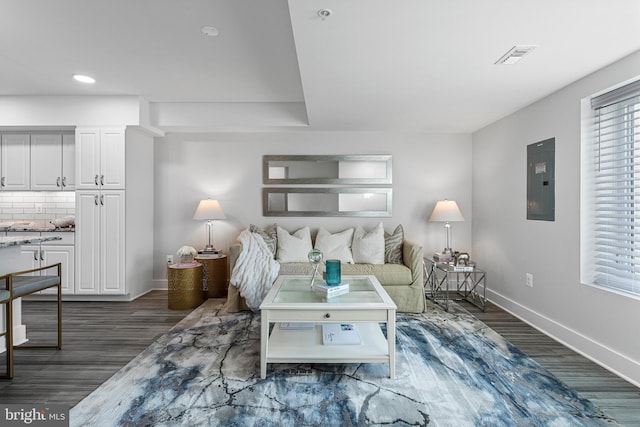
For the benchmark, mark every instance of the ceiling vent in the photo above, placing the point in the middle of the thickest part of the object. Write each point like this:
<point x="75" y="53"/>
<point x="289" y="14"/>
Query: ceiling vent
<point x="515" y="54"/>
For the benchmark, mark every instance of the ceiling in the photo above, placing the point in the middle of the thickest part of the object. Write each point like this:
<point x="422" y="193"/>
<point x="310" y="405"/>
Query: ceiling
<point x="408" y="65"/>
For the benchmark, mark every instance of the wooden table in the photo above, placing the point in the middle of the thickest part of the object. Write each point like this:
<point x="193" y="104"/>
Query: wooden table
<point x="215" y="274"/>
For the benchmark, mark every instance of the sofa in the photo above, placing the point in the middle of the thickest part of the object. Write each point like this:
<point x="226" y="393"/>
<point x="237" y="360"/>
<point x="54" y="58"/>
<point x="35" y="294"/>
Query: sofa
<point x="402" y="277"/>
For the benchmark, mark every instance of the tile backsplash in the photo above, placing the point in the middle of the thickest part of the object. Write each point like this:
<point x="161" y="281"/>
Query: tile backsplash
<point x="22" y="205"/>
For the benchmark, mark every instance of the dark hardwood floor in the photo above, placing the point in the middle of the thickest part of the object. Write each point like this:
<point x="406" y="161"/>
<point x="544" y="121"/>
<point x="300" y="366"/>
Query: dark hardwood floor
<point x="616" y="397"/>
<point x="99" y="338"/>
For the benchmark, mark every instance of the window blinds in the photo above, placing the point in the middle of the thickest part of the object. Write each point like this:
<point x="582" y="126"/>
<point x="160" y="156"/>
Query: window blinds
<point x="616" y="180"/>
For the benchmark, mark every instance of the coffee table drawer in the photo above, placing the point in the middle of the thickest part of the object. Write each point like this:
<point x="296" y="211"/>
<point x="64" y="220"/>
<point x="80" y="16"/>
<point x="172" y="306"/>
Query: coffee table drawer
<point x="328" y="315"/>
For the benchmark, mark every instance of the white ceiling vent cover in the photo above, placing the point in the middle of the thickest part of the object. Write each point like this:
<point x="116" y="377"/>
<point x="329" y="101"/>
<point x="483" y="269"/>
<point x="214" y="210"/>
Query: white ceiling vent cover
<point x="515" y="54"/>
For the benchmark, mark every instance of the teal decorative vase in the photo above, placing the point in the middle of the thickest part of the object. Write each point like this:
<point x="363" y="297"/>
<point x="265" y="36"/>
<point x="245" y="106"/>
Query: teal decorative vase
<point x="333" y="272"/>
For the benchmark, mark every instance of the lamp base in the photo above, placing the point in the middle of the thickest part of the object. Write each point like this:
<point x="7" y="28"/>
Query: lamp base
<point x="209" y="249"/>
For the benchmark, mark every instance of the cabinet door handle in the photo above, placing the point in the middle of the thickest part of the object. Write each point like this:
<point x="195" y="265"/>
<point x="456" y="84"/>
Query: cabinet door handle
<point x="95" y="199"/>
<point x="102" y="199"/>
<point x="96" y="180"/>
<point x="41" y="255"/>
<point x="35" y="255"/>
<point x="58" y="182"/>
<point x="2" y="182"/>
<point x="64" y="181"/>
<point x="101" y="179"/>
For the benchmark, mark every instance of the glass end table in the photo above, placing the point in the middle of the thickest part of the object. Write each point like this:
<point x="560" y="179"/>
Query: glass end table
<point x="466" y="283"/>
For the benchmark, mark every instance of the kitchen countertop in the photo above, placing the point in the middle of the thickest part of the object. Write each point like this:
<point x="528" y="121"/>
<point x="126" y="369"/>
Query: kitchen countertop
<point x="5" y="242"/>
<point x="37" y="229"/>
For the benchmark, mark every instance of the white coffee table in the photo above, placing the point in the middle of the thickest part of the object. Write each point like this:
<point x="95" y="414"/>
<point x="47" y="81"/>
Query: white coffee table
<point x="291" y="300"/>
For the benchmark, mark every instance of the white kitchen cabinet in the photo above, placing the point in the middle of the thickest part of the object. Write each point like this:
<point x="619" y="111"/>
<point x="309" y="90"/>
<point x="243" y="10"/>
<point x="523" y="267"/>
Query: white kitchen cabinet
<point x="64" y="254"/>
<point x="14" y="162"/>
<point x="52" y="161"/>
<point x="100" y="243"/>
<point x="51" y="252"/>
<point x="68" y="161"/>
<point x="30" y="257"/>
<point x="100" y="159"/>
<point x="29" y="254"/>
<point x="110" y="264"/>
<point x="87" y="243"/>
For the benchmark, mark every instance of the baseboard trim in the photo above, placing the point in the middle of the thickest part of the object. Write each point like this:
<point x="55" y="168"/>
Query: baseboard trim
<point x="160" y="284"/>
<point x="611" y="360"/>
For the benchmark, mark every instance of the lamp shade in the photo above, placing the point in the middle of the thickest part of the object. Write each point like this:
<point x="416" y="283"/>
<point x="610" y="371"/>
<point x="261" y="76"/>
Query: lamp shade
<point x="209" y="209"/>
<point x="446" y="211"/>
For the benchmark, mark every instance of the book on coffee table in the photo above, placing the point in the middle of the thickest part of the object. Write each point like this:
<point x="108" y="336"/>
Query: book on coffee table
<point x="340" y="334"/>
<point x="296" y="325"/>
<point x="330" y="291"/>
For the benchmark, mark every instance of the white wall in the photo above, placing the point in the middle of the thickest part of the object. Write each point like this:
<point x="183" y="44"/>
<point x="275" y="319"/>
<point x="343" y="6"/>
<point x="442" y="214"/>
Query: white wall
<point x="139" y="211"/>
<point x="228" y="166"/>
<point x="602" y="325"/>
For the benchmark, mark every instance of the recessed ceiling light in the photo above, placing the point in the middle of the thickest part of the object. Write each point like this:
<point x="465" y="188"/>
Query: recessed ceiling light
<point x="210" y="31"/>
<point x="515" y="54"/>
<point x="83" y="78"/>
<point x="324" y="13"/>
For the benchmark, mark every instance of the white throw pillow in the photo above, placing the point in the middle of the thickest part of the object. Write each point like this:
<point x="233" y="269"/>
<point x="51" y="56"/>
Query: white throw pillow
<point x="368" y="248"/>
<point x="293" y="247"/>
<point x="335" y="246"/>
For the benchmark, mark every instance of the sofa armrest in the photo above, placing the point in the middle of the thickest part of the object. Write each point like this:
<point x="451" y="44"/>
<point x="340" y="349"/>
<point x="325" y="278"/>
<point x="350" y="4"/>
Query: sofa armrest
<point x="235" y="302"/>
<point x="234" y="253"/>
<point x="413" y="258"/>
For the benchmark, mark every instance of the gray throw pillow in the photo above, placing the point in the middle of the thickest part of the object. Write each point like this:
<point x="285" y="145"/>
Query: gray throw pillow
<point x="269" y="235"/>
<point x="393" y="246"/>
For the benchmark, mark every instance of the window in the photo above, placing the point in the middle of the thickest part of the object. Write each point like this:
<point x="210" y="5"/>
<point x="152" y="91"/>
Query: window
<point x="611" y="191"/>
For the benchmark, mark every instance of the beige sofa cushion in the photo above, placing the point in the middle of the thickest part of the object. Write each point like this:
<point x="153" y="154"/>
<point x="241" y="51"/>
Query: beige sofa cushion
<point x="389" y="274"/>
<point x="303" y="268"/>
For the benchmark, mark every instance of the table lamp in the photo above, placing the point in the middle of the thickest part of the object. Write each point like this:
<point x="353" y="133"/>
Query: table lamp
<point x="209" y="210"/>
<point x="446" y="211"/>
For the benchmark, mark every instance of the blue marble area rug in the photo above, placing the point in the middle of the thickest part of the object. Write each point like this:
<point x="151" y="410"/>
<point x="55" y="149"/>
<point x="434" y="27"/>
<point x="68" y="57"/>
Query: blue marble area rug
<point x="452" y="370"/>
